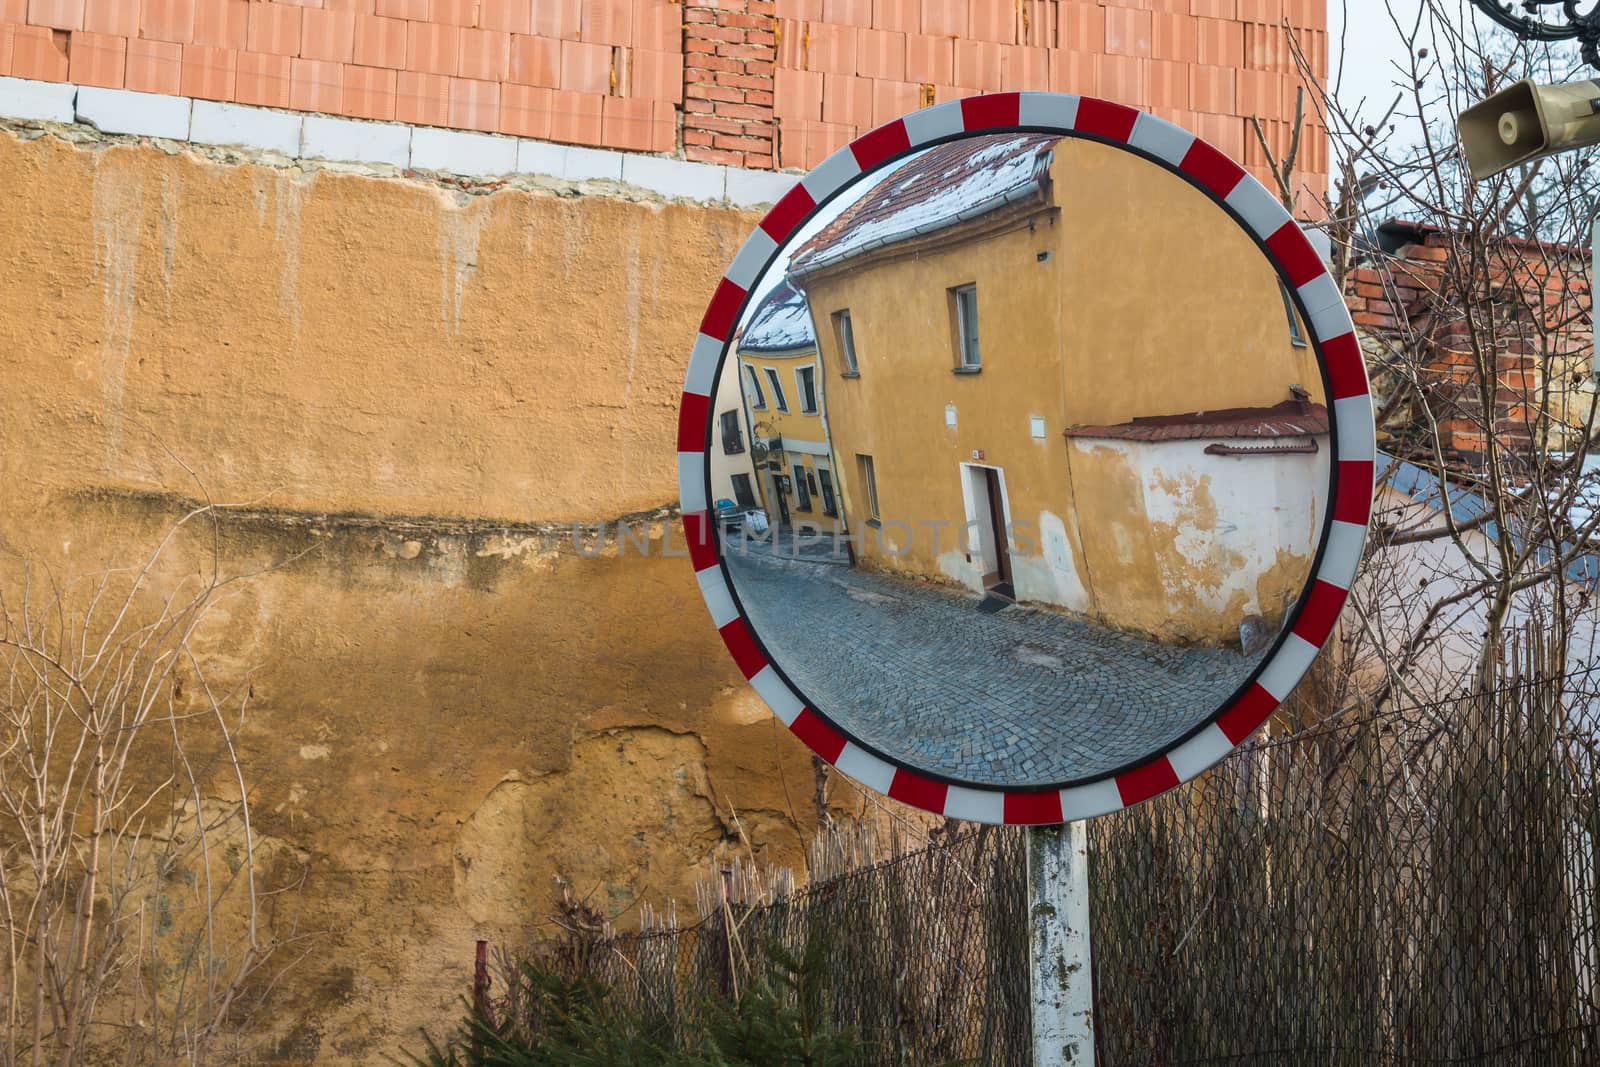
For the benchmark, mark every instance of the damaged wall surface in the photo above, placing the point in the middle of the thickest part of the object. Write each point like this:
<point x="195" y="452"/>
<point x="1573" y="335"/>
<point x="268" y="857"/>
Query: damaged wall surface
<point x="410" y="394"/>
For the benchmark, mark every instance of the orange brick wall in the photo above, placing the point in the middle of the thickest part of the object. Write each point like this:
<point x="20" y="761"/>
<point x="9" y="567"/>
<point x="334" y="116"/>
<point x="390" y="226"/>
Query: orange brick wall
<point x="757" y="83"/>
<point x="596" y="72"/>
<point x="845" y="66"/>
<point x="1413" y="300"/>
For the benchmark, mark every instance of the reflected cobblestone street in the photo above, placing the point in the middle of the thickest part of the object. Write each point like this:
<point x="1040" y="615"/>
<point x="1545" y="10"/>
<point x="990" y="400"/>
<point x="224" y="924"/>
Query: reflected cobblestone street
<point x="1023" y="696"/>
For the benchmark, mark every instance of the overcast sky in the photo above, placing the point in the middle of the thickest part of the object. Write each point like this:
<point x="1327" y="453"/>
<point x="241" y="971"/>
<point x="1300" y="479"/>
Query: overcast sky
<point x="1362" y="37"/>
<point x="1366" y="38"/>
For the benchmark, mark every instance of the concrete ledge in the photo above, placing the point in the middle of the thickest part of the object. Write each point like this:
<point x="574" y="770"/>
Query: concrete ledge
<point x="585" y="163"/>
<point x="247" y="127"/>
<point x="674" y="177"/>
<point x="457" y="152"/>
<point x="750" y="187"/>
<point x="328" y="138"/>
<point x="541" y="157"/>
<point x="350" y="141"/>
<point x="39" y="101"/>
<point x="125" y="111"/>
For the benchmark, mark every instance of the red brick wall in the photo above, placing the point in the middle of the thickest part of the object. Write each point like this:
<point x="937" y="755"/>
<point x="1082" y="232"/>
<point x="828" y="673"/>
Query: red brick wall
<point x="758" y="83"/>
<point x="1543" y="306"/>
<point x="730" y="54"/>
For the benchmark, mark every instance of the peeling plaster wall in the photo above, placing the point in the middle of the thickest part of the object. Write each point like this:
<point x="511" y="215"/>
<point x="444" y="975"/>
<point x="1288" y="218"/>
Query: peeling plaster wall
<point x="1194" y="542"/>
<point x="411" y="392"/>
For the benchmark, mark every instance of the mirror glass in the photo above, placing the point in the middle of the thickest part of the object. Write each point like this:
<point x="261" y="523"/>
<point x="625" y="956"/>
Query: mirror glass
<point x="1019" y="459"/>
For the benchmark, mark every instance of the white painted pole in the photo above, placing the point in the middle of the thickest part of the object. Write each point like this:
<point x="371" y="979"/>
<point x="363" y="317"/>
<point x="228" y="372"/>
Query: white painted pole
<point x="1061" y="980"/>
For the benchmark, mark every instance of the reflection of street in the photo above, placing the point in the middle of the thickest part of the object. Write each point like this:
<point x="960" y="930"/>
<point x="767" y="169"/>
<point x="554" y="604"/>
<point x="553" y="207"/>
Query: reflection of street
<point x="1023" y="696"/>
<point x="956" y="348"/>
<point x="787" y="542"/>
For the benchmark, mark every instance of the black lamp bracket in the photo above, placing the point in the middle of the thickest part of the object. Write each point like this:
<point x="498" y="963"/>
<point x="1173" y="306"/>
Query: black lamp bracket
<point x="1550" y="20"/>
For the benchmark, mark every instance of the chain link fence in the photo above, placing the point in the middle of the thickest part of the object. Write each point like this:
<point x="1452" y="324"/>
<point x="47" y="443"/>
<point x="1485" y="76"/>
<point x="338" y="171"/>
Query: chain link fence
<point x="1416" y="886"/>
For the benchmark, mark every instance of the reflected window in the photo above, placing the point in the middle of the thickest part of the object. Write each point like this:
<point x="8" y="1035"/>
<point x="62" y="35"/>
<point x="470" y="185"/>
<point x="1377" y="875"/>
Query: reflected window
<point x="758" y="399"/>
<point x="966" y="301"/>
<point x="869" y="482"/>
<point x="1297" y="336"/>
<point x="802" y="494"/>
<point x="777" y="389"/>
<point x="825" y="487"/>
<point x="732" y="438"/>
<point x="743" y="491"/>
<point x="806" y="379"/>
<point x="847" y="341"/>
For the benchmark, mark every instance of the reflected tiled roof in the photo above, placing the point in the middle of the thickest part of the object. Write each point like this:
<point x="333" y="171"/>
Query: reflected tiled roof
<point x="946" y="184"/>
<point x="782" y="323"/>
<point x="1292" y="418"/>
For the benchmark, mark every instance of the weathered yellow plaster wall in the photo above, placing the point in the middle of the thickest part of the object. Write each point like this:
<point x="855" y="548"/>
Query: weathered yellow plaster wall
<point x="896" y="410"/>
<point x="1171" y="307"/>
<point x="351" y="344"/>
<point x="1130" y="294"/>
<point x="412" y="390"/>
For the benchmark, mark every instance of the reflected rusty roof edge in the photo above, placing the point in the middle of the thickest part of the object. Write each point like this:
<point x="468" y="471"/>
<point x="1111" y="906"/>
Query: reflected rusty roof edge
<point x="1291" y="418"/>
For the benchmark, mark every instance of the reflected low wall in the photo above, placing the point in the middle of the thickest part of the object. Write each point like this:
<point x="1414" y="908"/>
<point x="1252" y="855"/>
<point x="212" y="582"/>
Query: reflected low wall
<point x="1185" y="545"/>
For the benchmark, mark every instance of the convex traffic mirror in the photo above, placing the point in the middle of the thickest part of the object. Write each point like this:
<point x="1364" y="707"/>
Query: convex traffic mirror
<point x="1026" y="457"/>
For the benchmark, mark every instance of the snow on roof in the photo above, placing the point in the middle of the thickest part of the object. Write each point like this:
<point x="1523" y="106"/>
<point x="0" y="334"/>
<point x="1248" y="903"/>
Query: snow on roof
<point x="781" y="324"/>
<point x="946" y="184"/>
<point x="1586" y="501"/>
<point x="1470" y="505"/>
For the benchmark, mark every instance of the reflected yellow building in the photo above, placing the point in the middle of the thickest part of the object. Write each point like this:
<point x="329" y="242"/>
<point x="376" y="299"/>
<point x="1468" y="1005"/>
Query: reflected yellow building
<point x="1060" y="339"/>
<point x="734" y="484"/>
<point x="782" y="382"/>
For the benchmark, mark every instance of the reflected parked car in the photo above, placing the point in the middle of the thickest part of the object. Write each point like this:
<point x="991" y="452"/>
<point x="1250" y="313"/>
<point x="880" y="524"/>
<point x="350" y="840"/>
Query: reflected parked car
<point x="732" y="518"/>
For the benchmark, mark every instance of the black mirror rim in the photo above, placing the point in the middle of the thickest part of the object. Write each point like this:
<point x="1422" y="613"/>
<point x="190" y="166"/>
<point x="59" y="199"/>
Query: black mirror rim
<point x="1309" y="624"/>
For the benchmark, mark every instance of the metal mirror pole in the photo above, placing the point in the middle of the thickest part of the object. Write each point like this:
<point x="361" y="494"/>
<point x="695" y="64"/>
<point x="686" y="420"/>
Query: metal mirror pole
<point x="1061" y="980"/>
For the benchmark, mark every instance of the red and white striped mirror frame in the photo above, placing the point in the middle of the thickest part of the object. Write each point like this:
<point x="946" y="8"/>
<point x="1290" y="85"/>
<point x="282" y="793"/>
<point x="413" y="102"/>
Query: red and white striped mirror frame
<point x="1322" y="307"/>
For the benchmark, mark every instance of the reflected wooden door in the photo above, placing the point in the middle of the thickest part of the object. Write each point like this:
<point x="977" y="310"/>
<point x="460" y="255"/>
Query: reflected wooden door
<point x="997" y="524"/>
